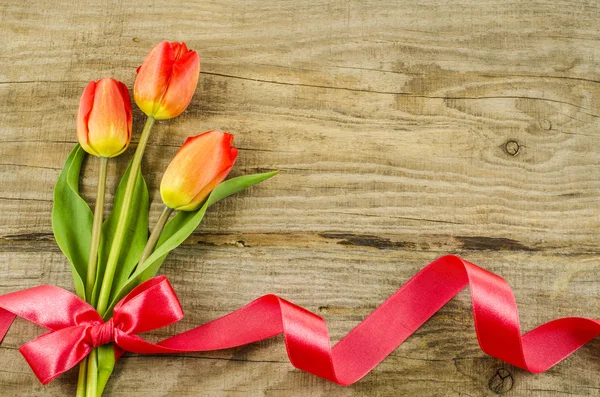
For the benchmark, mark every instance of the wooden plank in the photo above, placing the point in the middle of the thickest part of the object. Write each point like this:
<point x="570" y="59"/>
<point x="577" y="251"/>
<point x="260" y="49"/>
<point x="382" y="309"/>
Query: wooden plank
<point x="513" y="151"/>
<point x="544" y="198"/>
<point x="403" y="131"/>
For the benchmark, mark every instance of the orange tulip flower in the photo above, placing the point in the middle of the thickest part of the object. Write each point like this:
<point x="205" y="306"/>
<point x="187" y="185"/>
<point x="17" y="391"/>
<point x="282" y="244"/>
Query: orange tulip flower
<point x="104" y="118"/>
<point x="200" y="165"/>
<point x="166" y="81"/>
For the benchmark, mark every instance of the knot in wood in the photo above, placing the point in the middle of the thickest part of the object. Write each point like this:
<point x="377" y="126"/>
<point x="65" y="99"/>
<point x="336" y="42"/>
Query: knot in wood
<point x="501" y="382"/>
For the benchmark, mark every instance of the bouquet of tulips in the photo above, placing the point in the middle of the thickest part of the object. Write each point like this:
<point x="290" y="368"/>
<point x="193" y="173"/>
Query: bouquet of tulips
<point x="110" y="257"/>
<point x="114" y="261"/>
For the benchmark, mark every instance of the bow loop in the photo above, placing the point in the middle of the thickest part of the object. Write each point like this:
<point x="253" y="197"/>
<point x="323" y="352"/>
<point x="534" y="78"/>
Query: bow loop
<point x="149" y="306"/>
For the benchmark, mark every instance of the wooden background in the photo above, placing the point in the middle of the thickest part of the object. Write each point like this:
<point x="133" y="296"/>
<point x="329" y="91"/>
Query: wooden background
<point x="403" y="131"/>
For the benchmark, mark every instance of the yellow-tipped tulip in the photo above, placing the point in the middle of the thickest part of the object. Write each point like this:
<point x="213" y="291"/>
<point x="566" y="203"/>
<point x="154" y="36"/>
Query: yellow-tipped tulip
<point x="200" y="165"/>
<point x="104" y="118"/>
<point x="166" y="80"/>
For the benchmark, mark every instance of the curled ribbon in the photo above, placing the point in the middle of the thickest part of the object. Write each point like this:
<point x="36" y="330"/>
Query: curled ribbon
<point x="75" y="327"/>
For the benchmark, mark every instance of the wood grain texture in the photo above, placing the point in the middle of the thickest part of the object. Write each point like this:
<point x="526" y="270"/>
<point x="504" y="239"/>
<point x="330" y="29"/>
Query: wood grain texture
<point x="404" y="131"/>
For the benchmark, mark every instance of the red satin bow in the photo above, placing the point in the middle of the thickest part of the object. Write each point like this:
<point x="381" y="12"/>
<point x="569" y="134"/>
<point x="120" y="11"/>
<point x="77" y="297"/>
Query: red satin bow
<point x="75" y="327"/>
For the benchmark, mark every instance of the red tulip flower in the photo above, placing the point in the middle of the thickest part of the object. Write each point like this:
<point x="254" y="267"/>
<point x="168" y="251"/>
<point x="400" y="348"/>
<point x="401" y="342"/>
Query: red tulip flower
<point x="200" y="165"/>
<point x="166" y="81"/>
<point x="104" y="118"/>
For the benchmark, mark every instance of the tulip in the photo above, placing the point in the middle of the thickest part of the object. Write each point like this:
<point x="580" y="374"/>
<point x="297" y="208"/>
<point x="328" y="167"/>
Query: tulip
<point x="166" y="80"/>
<point x="200" y="165"/>
<point x="103" y="130"/>
<point x="104" y="118"/>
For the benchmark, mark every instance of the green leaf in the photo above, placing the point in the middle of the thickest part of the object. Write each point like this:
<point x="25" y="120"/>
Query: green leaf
<point x="106" y="365"/>
<point x="150" y="266"/>
<point x="180" y="227"/>
<point x="72" y="219"/>
<point x="136" y="233"/>
<point x="189" y="221"/>
<point x="234" y="185"/>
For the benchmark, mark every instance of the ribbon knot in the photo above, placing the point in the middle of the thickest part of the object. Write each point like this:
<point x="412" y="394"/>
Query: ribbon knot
<point x="103" y="333"/>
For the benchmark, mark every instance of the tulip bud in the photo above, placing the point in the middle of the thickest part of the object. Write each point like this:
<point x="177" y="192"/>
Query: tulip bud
<point x="104" y="118"/>
<point x="200" y="165"/>
<point x="166" y="81"/>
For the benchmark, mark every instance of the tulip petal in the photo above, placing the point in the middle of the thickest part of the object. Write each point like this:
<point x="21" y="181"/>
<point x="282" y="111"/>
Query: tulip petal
<point x="203" y="194"/>
<point x="127" y="103"/>
<point x="179" y="49"/>
<point x="181" y="86"/>
<point x="85" y="107"/>
<point x="200" y="165"/>
<point x="109" y="120"/>
<point x="153" y="77"/>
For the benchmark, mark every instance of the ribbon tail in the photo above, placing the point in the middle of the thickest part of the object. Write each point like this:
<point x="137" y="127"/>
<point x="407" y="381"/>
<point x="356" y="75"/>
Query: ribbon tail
<point x="306" y="336"/>
<point x="6" y="320"/>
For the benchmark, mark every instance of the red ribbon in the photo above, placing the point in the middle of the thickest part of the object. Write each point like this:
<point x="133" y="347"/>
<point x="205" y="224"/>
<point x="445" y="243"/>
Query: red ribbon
<point x="75" y="327"/>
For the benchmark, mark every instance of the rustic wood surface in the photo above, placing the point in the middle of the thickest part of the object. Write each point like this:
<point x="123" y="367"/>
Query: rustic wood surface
<point x="404" y="130"/>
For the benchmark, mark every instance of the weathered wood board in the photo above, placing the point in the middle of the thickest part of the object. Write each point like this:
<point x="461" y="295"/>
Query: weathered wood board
<point x="404" y="130"/>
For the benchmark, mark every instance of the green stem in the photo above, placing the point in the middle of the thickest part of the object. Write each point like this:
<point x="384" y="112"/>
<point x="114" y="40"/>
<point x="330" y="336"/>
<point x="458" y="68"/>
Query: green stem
<point x="92" y="374"/>
<point x="93" y="263"/>
<point x="158" y="228"/>
<point x="115" y="249"/>
<point x="82" y="378"/>
<point x="96" y="230"/>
